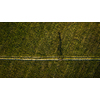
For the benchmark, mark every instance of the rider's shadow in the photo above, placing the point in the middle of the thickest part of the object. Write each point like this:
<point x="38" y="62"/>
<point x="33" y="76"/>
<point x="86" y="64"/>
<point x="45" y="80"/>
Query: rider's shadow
<point x="59" y="50"/>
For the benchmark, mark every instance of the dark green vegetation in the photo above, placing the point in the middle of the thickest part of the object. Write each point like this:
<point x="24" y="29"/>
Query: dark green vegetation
<point x="48" y="68"/>
<point x="42" y="39"/>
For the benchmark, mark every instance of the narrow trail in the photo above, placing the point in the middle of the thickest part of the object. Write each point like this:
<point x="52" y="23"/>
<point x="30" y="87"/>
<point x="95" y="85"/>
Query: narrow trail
<point x="49" y="58"/>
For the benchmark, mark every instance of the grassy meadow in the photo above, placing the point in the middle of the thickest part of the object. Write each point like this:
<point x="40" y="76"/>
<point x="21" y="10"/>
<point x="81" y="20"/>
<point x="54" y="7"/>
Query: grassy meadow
<point x="41" y="39"/>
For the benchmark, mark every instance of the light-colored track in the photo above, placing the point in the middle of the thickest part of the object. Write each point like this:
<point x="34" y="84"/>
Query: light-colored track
<point x="49" y="58"/>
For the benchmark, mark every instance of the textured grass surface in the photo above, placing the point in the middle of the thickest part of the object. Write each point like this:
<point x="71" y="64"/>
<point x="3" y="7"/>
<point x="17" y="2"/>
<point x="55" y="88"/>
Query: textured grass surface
<point x="42" y="39"/>
<point x="48" y="69"/>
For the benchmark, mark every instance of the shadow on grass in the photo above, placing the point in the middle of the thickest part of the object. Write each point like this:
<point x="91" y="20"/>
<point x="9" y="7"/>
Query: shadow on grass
<point x="97" y="72"/>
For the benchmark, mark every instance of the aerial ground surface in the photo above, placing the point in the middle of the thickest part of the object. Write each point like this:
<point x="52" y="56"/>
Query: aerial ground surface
<point x="38" y="39"/>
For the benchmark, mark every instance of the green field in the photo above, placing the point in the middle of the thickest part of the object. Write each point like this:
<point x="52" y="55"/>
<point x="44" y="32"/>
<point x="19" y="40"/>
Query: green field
<point x="40" y="39"/>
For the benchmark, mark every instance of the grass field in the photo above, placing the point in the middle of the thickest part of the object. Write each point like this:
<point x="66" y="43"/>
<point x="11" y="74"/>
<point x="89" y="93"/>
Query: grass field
<point x="41" y="39"/>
